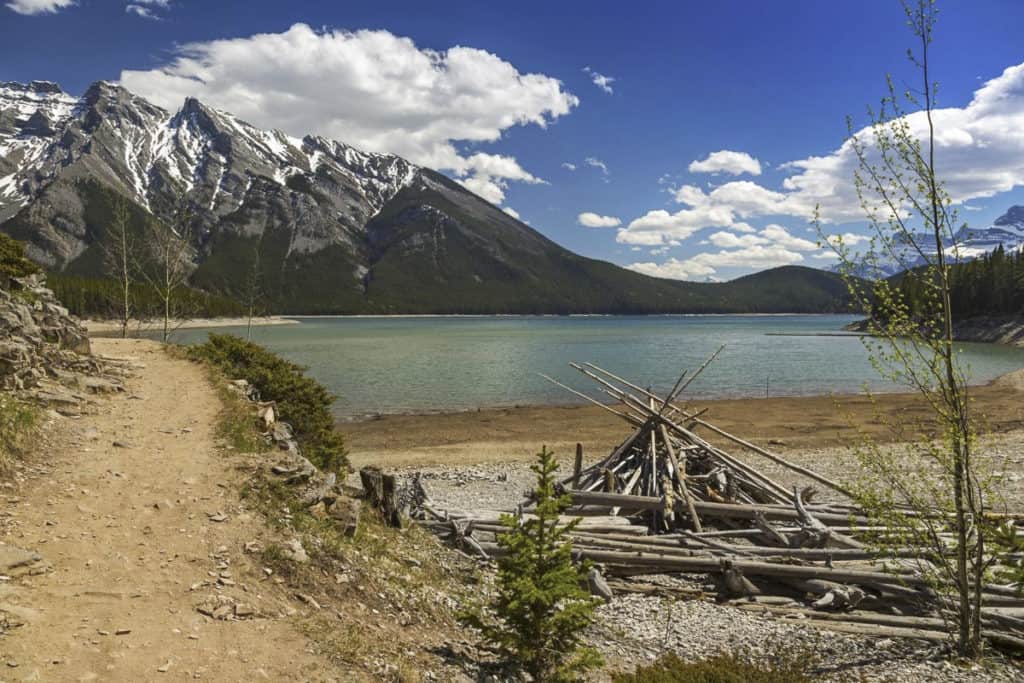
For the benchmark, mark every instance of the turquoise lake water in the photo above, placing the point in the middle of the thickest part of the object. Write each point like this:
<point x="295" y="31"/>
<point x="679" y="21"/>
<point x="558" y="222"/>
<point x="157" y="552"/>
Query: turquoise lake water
<point x="426" y="364"/>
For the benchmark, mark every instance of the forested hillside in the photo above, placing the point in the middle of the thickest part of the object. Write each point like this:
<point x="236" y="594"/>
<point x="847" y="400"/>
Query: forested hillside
<point x="992" y="285"/>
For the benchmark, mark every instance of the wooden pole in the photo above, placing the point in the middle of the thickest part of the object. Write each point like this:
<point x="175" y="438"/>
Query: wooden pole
<point x="628" y="418"/>
<point x="775" y="458"/>
<point x="723" y="510"/>
<point x="680" y="475"/>
<point x="577" y="466"/>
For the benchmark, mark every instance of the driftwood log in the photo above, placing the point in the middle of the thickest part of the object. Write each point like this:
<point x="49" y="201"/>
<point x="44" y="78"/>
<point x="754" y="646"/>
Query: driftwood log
<point x="667" y="501"/>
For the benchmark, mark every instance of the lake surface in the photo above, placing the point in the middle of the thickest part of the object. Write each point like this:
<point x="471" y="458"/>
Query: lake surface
<point x="427" y="364"/>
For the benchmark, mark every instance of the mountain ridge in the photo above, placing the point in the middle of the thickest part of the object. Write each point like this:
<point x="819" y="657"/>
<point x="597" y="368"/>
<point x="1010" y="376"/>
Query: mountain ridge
<point x="330" y="229"/>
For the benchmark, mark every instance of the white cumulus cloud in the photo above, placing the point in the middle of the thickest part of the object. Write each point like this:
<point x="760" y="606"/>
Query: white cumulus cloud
<point x="491" y="174"/>
<point x="979" y="153"/>
<point x="511" y="212"/>
<point x="756" y="257"/>
<point x="778" y="235"/>
<point x="372" y="89"/>
<point x="38" y="6"/>
<point x="598" y="164"/>
<point x="145" y="8"/>
<point x="568" y="166"/>
<point x="600" y="80"/>
<point x="592" y="220"/>
<point x="730" y="240"/>
<point x="727" y="161"/>
<point x="767" y="248"/>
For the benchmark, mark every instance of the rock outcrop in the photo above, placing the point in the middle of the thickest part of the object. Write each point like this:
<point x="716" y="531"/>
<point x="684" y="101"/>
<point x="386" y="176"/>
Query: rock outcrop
<point x="38" y="337"/>
<point x="993" y="330"/>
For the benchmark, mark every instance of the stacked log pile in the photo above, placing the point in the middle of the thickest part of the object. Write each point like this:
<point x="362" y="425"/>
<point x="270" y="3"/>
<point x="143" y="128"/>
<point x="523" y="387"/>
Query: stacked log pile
<point x="667" y="501"/>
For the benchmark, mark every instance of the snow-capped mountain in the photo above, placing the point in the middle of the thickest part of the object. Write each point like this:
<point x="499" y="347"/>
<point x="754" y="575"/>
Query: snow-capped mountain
<point x="1007" y="231"/>
<point x="967" y="244"/>
<point x="154" y="157"/>
<point x="330" y="228"/>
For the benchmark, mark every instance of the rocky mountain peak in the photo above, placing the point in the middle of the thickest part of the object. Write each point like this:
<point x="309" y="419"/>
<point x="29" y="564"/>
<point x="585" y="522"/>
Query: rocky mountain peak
<point x="36" y="87"/>
<point x="1013" y="217"/>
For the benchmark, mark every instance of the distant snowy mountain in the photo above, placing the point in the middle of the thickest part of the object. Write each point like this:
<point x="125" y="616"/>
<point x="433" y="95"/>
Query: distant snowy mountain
<point x="1007" y="231"/>
<point x="967" y="244"/>
<point x="329" y="228"/>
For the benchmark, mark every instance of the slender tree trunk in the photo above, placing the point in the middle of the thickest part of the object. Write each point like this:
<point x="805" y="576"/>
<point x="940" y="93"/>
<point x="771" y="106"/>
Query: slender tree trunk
<point x="969" y="626"/>
<point x="167" y="317"/>
<point x="167" y="297"/>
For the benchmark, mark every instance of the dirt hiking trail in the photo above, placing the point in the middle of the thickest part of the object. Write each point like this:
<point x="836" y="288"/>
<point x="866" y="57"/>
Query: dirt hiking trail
<point x="138" y="519"/>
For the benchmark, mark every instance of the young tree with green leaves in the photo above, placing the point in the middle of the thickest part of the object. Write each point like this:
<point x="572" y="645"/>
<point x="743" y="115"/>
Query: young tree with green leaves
<point x="541" y="609"/>
<point x="940" y="477"/>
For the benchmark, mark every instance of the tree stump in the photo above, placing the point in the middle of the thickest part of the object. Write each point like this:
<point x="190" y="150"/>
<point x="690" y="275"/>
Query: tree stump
<point x="382" y="493"/>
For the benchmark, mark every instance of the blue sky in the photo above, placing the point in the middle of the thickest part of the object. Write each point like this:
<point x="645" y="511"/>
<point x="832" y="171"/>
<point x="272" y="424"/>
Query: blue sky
<point x="767" y="81"/>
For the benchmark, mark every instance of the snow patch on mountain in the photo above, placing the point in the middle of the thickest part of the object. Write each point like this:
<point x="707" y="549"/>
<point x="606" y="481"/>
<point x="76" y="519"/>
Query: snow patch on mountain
<point x="198" y="151"/>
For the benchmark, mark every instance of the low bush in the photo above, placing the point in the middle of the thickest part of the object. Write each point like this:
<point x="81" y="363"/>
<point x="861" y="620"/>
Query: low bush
<point x="18" y="423"/>
<point x="723" y="668"/>
<point x="13" y="262"/>
<point x="301" y="401"/>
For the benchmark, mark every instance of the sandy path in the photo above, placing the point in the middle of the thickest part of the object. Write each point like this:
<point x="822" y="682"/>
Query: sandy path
<point x="127" y="533"/>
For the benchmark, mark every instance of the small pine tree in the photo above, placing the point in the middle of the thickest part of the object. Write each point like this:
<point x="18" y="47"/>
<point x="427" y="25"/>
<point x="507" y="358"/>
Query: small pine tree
<point x="542" y="608"/>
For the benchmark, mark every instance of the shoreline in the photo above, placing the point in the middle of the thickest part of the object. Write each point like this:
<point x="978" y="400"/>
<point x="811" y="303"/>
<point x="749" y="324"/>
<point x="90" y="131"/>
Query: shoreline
<point x="1014" y="378"/>
<point x="105" y="327"/>
<point x="780" y="423"/>
<point x="1003" y="330"/>
<point x="329" y="316"/>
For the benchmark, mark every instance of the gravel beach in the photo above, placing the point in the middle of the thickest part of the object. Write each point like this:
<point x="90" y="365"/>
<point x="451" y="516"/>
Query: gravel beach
<point x="635" y="629"/>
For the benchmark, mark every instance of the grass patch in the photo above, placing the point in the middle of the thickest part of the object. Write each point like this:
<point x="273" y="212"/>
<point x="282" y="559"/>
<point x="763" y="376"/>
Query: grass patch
<point x="236" y="423"/>
<point x="301" y="401"/>
<point x="724" y="668"/>
<point x="19" y="424"/>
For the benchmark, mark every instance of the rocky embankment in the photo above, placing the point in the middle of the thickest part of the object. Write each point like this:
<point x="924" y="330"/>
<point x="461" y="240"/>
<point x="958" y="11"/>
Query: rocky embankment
<point x="984" y="329"/>
<point x="993" y="330"/>
<point x="45" y="351"/>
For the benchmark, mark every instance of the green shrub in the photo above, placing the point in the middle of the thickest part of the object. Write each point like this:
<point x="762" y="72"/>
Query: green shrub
<point x="541" y="608"/>
<point x="13" y="262"/>
<point x="723" y="668"/>
<point x="18" y="424"/>
<point x="301" y="401"/>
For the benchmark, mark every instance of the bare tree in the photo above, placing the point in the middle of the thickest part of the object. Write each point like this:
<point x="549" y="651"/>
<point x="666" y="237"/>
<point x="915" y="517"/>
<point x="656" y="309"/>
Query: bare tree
<point x="168" y="266"/>
<point x="940" y="476"/>
<point x="119" y="258"/>
<point x="253" y="289"/>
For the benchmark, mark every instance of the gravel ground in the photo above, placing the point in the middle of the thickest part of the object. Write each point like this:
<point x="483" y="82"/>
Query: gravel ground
<point x="635" y="629"/>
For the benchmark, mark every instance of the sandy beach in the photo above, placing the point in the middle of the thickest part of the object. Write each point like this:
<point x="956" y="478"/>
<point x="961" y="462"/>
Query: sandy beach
<point x="785" y="424"/>
<point x="106" y="327"/>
